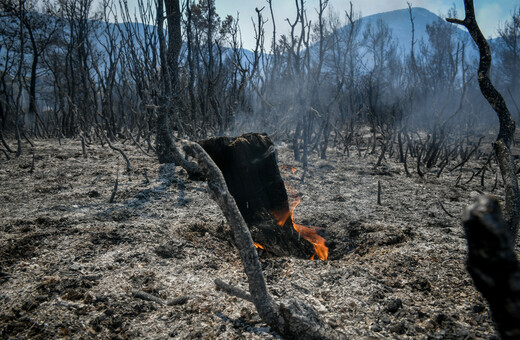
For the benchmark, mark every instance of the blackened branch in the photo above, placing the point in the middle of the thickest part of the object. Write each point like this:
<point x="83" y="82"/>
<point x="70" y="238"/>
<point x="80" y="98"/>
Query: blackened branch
<point x="493" y="265"/>
<point x="219" y="192"/>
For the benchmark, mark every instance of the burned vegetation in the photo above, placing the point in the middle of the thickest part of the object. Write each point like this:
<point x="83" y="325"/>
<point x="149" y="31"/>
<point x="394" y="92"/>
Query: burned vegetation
<point x="336" y="183"/>
<point x="74" y="265"/>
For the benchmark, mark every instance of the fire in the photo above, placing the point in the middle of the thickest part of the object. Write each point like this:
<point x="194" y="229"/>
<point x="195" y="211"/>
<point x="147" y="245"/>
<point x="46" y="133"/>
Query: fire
<point x="307" y="233"/>
<point x="258" y="245"/>
<point x="287" y="167"/>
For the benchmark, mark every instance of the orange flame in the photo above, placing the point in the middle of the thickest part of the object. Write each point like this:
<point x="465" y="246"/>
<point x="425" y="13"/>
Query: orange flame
<point x="258" y="245"/>
<point x="307" y="233"/>
<point x="287" y="167"/>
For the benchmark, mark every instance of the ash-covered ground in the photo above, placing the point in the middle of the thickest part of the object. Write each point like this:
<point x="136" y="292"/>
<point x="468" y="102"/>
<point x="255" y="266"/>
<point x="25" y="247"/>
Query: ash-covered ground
<point x="71" y="263"/>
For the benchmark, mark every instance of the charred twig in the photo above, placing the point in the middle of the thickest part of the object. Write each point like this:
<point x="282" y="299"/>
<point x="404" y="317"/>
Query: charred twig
<point x="232" y="290"/>
<point x="381" y="156"/>
<point x="178" y="300"/>
<point x="493" y="265"/>
<point x="149" y="297"/>
<point x="27" y="139"/>
<point x="459" y="177"/>
<point x="468" y="156"/>
<point x="31" y="170"/>
<point x="114" y="190"/>
<point x="83" y="147"/>
<point x="128" y="168"/>
<point x="405" y="162"/>
<point x="473" y="174"/>
<point x="444" y="209"/>
<point x="482" y="169"/>
<point x="378" y="192"/>
<point x="496" y="183"/>
<point x="443" y="165"/>
<point x="138" y="145"/>
<point x="400" y="146"/>
<point x="145" y="174"/>
<point x="419" y="155"/>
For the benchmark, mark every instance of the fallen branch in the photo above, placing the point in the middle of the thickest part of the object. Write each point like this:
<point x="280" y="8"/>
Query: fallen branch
<point x="219" y="192"/>
<point x="149" y="297"/>
<point x="444" y="209"/>
<point x="493" y="265"/>
<point x="232" y="290"/>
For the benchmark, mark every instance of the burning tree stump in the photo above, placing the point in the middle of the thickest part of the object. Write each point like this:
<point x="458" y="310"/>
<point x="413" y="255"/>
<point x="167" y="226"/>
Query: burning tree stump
<point x="249" y="166"/>
<point x="292" y="318"/>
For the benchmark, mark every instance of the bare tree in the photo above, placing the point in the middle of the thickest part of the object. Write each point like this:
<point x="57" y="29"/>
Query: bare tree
<point x="507" y="124"/>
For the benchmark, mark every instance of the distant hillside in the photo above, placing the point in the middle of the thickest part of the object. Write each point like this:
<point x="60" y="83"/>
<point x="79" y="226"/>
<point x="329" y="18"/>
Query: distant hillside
<point x="399" y="23"/>
<point x="400" y="26"/>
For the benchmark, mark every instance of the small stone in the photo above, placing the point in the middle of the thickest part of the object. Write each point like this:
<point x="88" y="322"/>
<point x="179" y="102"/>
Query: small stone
<point x="75" y="266"/>
<point x="376" y="328"/>
<point x="420" y="330"/>
<point x="94" y="194"/>
<point x="393" y="305"/>
<point x="478" y="308"/>
<point x="440" y="318"/>
<point x="398" y="328"/>
<point x="165" y="251"/>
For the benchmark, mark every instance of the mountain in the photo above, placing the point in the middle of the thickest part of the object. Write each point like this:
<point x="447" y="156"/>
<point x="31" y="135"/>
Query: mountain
<point x="400" y="27"/>
<point x="399" y="23"/>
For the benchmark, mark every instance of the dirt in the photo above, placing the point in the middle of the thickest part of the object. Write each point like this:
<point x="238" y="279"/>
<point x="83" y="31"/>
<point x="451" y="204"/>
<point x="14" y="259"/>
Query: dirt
<point x="71" y="263"/>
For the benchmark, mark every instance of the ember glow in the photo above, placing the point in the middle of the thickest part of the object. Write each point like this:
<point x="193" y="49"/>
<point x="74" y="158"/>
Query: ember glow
<point x="288" y="167"/>
<point x="307" y="233"/>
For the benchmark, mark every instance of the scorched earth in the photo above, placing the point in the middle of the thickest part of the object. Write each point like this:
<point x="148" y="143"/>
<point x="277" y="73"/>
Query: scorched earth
<point x="73" y="265"/>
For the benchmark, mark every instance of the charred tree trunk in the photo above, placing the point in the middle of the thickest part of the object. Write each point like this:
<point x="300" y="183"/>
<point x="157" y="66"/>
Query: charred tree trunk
<point x="167" y="151"/>
<point x="249" y="166"/>
<point x="507" y="125"/>
<point x="164" y="146"/>
<point x="493" y="265"/>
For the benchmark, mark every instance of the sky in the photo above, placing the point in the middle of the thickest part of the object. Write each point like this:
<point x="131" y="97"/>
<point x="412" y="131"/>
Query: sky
<point x="490" y="13"/>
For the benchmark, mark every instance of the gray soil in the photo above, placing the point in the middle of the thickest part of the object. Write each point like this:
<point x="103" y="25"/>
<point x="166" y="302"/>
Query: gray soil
<point x="73" y="265"/>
